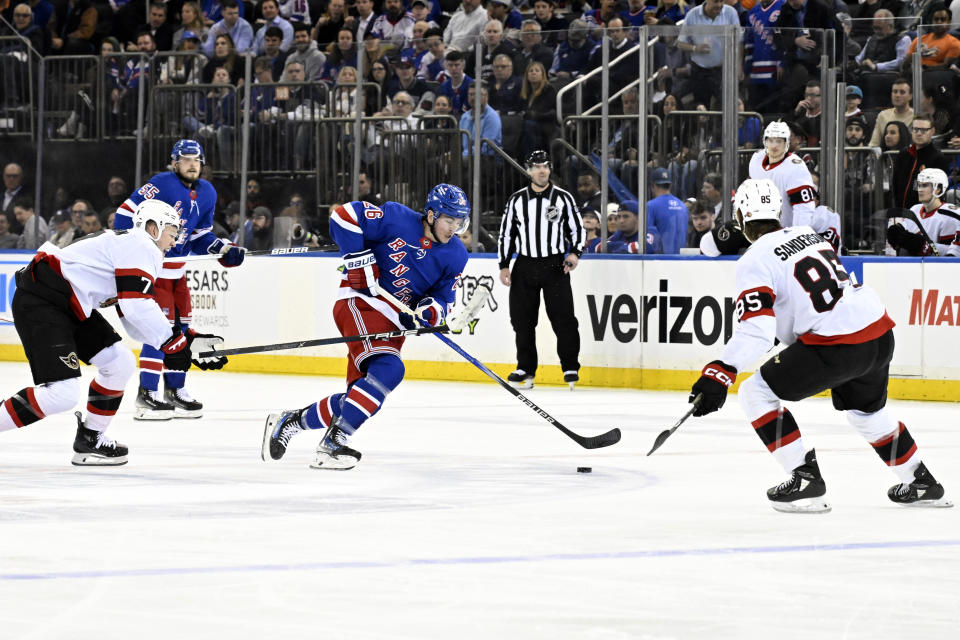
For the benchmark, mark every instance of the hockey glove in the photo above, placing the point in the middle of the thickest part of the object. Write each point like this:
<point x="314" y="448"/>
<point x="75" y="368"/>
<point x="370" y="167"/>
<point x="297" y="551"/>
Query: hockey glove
<point x="202" y="342"/>
<point x="900" y="238"/>
<point x="176" y="351"/>
<point x="428" y="311"/>
<point x="715" y="379"/>
<point x="362" y="271"/>
<point x="233" y="256"/>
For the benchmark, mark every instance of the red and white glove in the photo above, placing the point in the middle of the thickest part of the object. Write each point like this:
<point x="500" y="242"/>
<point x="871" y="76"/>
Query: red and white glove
<point x="715" y="379"/>
<point x="176" y="351"/>
<point x="362" y="271"/>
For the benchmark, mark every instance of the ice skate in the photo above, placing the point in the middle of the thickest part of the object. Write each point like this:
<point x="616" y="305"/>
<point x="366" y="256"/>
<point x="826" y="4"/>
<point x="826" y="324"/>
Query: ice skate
<point x="93" y="448"/>
<point x="924" y="491"/>
<point x="183" y="405"/>
<point x="333" y="452"/>
<point x="803" y="492"/>
<point x="277" y="433"/>
<point x="149" y="406"/>
<point x="520" y="379"/>
<point x="571" y="378"/>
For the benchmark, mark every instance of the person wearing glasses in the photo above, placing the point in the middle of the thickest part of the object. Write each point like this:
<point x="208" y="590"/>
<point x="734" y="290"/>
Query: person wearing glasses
<point x="911" y="161"/>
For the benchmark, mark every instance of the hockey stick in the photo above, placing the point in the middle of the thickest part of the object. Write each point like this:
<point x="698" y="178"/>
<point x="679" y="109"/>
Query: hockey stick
<point x="286" y="251"/>
<point x="666" y="434"/>
<point x="594" y="442"/>
<point x="323" y="341"/>
<point x="896" y="212"/>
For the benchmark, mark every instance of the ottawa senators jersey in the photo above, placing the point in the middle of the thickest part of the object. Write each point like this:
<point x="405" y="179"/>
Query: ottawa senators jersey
<point x="941" y="225"/>
<point x="791" y="285"/>
<point x="114" y="268"/>
<point x="796" y="187"/>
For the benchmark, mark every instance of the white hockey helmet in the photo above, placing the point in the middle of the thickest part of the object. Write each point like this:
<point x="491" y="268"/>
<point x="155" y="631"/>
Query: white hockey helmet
<point x="935" y="177"/>
<point x="777" y="129"/>
<point x="158" y="212"/>
<point x="756" y="200"/>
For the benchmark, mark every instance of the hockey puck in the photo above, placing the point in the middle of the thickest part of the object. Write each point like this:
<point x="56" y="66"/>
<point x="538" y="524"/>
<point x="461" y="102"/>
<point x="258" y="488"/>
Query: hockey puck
<point x="584" y="469"/>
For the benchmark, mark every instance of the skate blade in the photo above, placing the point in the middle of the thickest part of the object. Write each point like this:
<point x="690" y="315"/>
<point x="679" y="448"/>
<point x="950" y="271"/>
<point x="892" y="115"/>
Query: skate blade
<point x="272" y="421"/>
<point x="521" y="385"/>
<point x="941" y="503"/>
<point x="190" y="414"/>
<point x="807" y="505"/>
<point x="571" y="385"/>
<point x="94" y="460"/>
<point x="331" y="463"/>
<point x="151" y="415"/>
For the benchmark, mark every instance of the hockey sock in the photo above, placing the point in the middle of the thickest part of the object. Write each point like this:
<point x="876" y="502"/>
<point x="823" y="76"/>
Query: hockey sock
<point x="35" y="403"/>
<point x="321" y="415"/>
<point x="151" y="366"/>
<point x="362" y="399"/>
<point x="890" y="439"/>
<point x="102" y="405"/>
<point x="115" y="365"/>
<point x="774" y="425"/>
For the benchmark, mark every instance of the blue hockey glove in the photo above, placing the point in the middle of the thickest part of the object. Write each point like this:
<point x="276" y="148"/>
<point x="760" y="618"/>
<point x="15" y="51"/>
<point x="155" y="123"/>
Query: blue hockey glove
<point x="362" y="271"/>
<point x="233" y="256"/>
<point x="715" y="379"/>
<point x="428" y="310"/>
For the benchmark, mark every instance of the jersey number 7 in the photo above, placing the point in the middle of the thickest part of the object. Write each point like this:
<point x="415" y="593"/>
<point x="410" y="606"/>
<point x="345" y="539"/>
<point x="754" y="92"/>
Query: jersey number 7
<point x="821" y="279"/>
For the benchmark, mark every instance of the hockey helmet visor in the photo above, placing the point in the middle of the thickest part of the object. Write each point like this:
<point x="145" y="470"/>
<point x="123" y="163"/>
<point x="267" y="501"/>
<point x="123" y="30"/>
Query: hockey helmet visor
<point x="187" y="149"/>
<point x="937" y="178"/>
<point x="449" y="200"/>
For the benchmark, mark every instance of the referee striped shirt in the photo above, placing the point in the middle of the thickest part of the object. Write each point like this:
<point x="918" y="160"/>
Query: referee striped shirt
<point x="538" y="225"/>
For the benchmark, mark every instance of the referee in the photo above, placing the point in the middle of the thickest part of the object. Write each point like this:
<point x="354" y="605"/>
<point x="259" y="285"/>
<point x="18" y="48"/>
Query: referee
<point x="542" y="224"/>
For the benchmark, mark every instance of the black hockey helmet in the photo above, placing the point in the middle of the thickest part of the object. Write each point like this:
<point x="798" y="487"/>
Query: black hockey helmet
<point x="538" y="157"/>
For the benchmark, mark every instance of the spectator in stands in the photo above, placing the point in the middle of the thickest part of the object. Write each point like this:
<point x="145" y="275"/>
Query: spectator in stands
<point x="588" y="191"/>
<point x="340" y="54"/>
<point x="940" y="104"/>
<point x="157" y="25"/>
<point x="666" y="213"/>
<point x="799" y="34"/>
<point x="373" y="51"/>
<point x="808" y="110"/>
<point x="183" y="69"/>
<point x="457" y="83"/>
<point x="34" y="227"/>
<point x="532" y="49"/>
<point x="901" y="97"/>
<point x="591" y="224"/>
<point x="395" y="26"/>
<point x="13" y="189"/>
<point x="505" y="89"/>
<point x="859" y="180"/>
<point x="493" y="45"/>
<point x="42" y="12"/>
<point x="701" y="221"/>
<point x="939" y="49"/>
<point x="431" y="67"/>
<point x="909" y="162"/>
<point x="90" y="223"/>
<point x="675" y="10"/>
<point x="213" y="10"/>
<point x="490" y="125"/>
<point x="299" y="112"/>
<point x="404" y="79"/>
<point x="442" y="106"/>
<point x="261" y="236"/>
<point x="271" y="49"/>
<point x="117" y="192"/>
<point x="78" y="209"/>
<point x="600" y="17"/>
<point x="421" y="11"/>
<point x="361" y="18"/>
<point x="766" y="58"/>
<point x="573" y="54"/>
<point x="635" y="16"/>
<point x="418" y="45"/>
<point x="465" y="26"/>
<point x="706" y="51"/>
<point x="9" y="240"/>
<point x="626" y="239"/>
<point x="749" y="130"/>
<point x="23" y="26"/>
<point x="232" y="25"/>
<point x="503" y="12"/>
<point x="885" y="50"/>
<point x="136" y="71"/>
<point x="225" y="55"/>
<point x="377" y="97"/>
<point x="190" y="20"/>
<point x="329" y="24"/>
<point x="345" y="93"/>
<point x="672" y="63"/>
<point x="863" y="14"/>
<point x="75" y="26"/>
<point x="305" y="51"/>
<point x="853" y="100"/>
<point x="896" y="137"/>
<point x="552" y="26"/>
<point x="540" y="109"/>
<point x="215" y="121"/>
<point x="272" y="18"/>
<point x="712" y="194"/>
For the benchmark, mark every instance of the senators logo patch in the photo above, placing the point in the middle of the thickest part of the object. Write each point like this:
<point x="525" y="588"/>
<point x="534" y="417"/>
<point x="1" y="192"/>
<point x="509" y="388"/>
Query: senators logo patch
<point x="71" y="360"/>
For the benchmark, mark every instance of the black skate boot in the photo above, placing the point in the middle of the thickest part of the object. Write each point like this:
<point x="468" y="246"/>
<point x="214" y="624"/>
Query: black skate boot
<point x="571" y="378"/>
<point x="924" y="491"/>
<point x="520" y="379"/>
<point x="93" y="448"/>
<point x="183" y="405"/>
<point x="333" y="452"/>
<point x="278" y="431"/>
<point x="803" y="492"/>
<point x="151" y="407"/>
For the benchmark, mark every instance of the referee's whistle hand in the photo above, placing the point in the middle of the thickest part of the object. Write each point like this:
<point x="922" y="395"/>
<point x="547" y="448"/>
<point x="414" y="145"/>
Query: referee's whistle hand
<point x="570" y="263"/>
<point x="505" y="277"/>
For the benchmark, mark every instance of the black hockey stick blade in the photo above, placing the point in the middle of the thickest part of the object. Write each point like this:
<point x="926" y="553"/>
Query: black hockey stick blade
<point x="323" y="341"/>
<point x="666" y="434"/>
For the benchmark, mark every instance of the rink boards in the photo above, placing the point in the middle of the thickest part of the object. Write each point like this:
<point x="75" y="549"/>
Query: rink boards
<point x="644" y="323"/>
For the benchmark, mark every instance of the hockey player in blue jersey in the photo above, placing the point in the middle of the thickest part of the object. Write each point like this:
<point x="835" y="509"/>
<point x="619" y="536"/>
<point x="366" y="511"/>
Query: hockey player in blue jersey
<point x="194" y="199"/>
<point x="415" y="257"/>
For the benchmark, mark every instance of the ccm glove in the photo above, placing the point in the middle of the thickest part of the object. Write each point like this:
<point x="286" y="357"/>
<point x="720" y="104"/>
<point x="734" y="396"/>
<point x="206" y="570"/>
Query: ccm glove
<point x="176" y="351"/>
<point x="362" y="271"/>
<point x="715" y="379"/>
<point x="428" y="311"/>
<point x="203" y="342"/>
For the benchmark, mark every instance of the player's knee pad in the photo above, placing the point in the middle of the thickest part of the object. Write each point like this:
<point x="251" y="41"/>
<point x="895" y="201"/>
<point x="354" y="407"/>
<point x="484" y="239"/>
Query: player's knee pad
<point x="387" y="371"/>
<point x="872" y="426"/>
<point x="756" y="397"/>
<point x="115" y="365"/>
<point x="59" y="396"/>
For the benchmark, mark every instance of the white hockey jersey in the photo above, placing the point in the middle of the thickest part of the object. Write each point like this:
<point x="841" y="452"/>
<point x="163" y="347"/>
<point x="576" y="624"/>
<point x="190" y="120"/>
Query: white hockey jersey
<point x="792" y="286"/>
<point x="114" y="268"/>
<point x="940" y="228"/>
<point x="796" y="187"/>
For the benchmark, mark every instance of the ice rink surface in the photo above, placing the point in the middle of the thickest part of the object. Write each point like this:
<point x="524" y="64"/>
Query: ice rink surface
<point x="466" y="518"/>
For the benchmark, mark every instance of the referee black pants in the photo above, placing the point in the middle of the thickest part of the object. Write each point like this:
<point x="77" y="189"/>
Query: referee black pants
<point x="529" y="277"/>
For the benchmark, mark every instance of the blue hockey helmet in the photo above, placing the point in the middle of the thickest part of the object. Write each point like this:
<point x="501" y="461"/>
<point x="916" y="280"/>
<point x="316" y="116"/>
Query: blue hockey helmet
<point x="186" y="149"/>
<point x="449" y="200"/>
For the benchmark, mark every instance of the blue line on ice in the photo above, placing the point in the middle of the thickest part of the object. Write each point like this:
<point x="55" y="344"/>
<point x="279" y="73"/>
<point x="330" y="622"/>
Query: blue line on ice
<point x="387" y="564"/>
